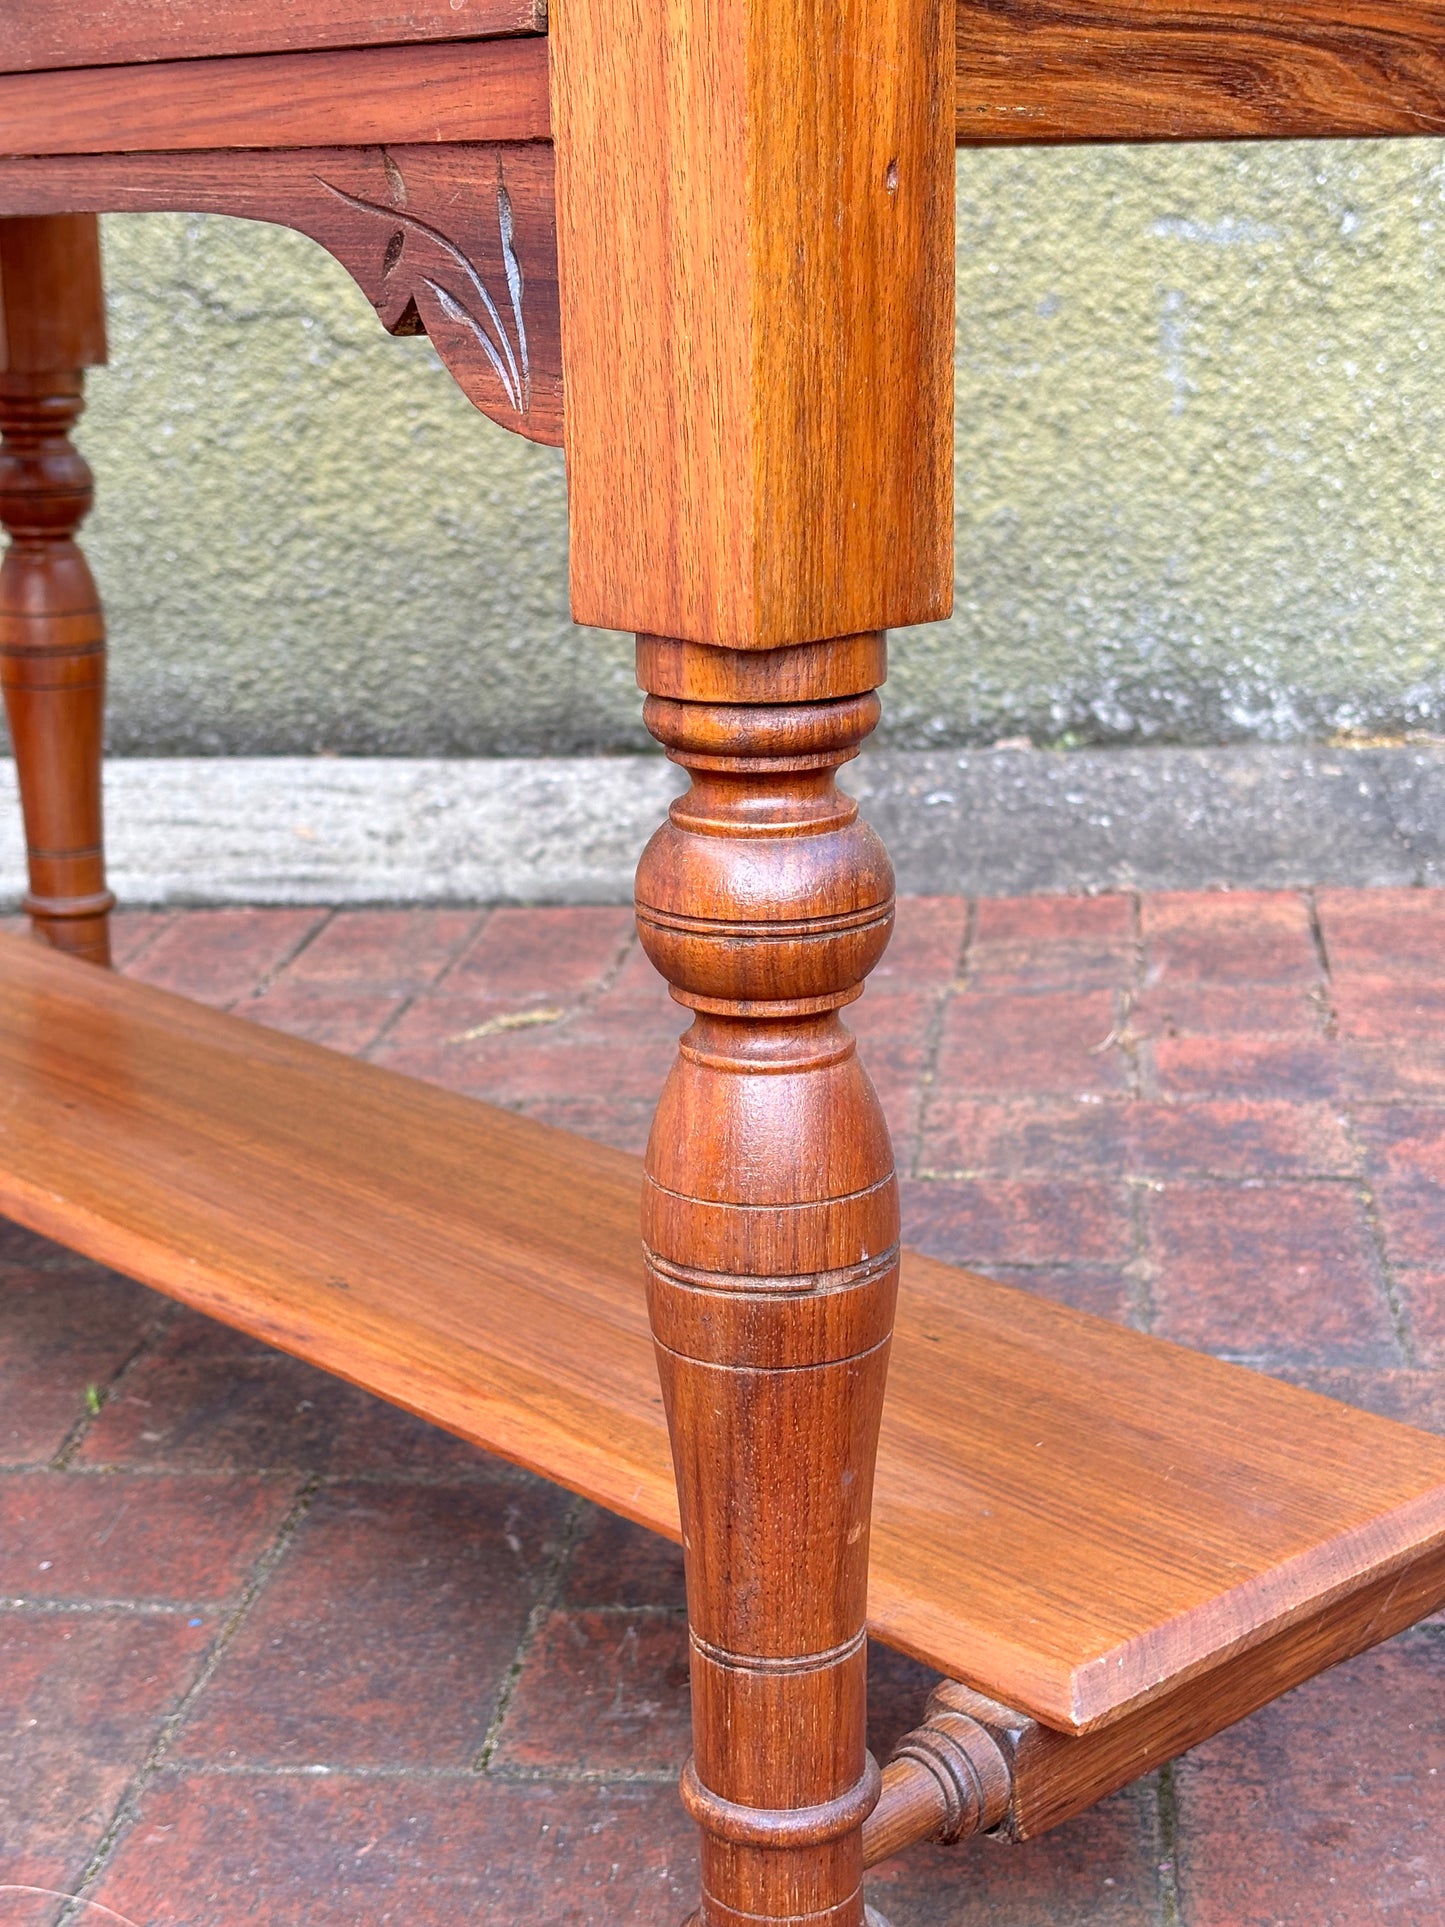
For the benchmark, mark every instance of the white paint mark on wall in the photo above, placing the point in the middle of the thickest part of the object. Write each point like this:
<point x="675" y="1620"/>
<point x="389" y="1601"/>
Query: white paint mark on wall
<point x="1230" y="232"/>
<point x="1174" y="327"/>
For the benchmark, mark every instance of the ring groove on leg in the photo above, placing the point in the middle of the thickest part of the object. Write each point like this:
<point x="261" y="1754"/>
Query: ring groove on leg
<point x="781" y="1826"/>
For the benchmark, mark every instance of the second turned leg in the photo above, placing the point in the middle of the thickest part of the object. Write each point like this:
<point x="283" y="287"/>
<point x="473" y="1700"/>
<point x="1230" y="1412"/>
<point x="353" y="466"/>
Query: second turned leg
<point x="52" y="662"/>
<point x="771" y="1230"/>
<point x="52" y="632"/>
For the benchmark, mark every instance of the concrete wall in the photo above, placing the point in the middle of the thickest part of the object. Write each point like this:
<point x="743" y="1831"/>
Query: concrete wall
<point x="1200" y="412"/>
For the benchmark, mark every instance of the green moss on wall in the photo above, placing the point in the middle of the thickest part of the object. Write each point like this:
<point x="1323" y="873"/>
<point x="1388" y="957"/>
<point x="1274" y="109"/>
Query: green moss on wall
<point x="1199" y="480"/>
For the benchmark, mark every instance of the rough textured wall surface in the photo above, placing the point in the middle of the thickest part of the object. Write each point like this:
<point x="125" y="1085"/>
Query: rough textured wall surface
<point x="1200" y="451"/>
<point x="1200" y="496"/>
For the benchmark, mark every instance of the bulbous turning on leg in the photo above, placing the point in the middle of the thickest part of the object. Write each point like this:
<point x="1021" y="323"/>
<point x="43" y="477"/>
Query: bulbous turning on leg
<point x="52" y="660"/>
<point x="770" y="1222"/>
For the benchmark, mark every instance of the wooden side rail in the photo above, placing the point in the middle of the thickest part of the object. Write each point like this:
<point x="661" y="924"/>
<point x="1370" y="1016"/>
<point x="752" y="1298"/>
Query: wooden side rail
<point x="1112" y="1536"/>
<point x="1049" y="71"/>
<point x="494" y="90"/>
<point x="1027" y="72"/>
<point x="52" y="33"/>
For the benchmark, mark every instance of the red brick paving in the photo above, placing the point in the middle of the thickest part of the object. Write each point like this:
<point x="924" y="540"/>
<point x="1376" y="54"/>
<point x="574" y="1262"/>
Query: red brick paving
<point x="601" y="1692"/>
<point x="221" y="956"/>
<point x="275" y="1653"/>
<point x="382" y="1851"/>
<point x="1338" y="1789"/>
<point x="387" y="1631"/>
<point x="167" y="1539"/>
<point x="1252" y="937"/>
<point x="1108" y="1869"/>
<point x="86" y="1698"/>
<point x="62" y="1327"/>
<point x="1270" y="1271"/>
<point x="1047" y="1043"/>
<point x="1053" y="943"/>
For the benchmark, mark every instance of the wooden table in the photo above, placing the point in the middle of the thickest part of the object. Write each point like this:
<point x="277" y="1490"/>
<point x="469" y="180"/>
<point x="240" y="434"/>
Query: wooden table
<point x="723" y="231"/>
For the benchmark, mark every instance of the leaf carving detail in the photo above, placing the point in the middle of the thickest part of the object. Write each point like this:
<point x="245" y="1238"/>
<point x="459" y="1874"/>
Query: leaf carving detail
<point x="473" y="308"/>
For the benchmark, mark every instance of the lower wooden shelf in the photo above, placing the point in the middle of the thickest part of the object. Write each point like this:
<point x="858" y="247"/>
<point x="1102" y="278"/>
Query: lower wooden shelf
<point x="1083" y="1523"/>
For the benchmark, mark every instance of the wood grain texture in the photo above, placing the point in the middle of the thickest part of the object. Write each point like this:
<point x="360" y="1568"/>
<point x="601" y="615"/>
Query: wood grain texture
<point x="841" y="666"/>
<point x="52" y="631"/>
<point x="455" y="1259"/>
<point x="1027" y="70"/>
<point x="109" y="33"/>
<point x="977" y="1766"/>
<point x="52" y="661"/>
<point x="756" y="249"/>
<point x="493" y="90"/>
<point x="948" y="1779"/>
<point x="1043" y="71"/>
<point x="1143" y="1479"/>
<point x="1077" y="1517"/>
<point x="770" y="1225"/>
<point x="459" y="242"/>
<point x="1058" y="1775"/>
<point x="52" y="303"/>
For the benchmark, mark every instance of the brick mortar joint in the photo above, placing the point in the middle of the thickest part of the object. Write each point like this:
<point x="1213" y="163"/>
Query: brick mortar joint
<point x="129" y="1801"/>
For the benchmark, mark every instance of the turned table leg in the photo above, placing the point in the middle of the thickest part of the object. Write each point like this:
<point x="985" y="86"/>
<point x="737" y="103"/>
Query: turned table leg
<point x="771" y="1229"/>
<point x="52" y="632"/>
<point x="755" y="247"/>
